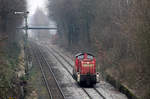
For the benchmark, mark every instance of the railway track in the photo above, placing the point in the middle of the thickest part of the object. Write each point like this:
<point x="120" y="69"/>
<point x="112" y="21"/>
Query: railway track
<point x="51" y="83"/>
<point x="84" y="89"/>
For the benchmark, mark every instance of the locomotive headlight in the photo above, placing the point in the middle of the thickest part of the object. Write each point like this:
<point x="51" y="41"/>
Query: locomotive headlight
<point x="78" y="77"/>
<point x="97" y="77"/>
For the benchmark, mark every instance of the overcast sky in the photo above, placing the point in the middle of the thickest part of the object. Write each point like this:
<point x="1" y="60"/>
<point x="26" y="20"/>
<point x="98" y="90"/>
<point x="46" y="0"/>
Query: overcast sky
<point x="33" y="4"/>
<point x="42" y="4"/>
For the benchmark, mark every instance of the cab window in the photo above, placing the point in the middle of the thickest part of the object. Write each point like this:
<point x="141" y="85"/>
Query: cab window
<point x="80" y="57"/>
<point x="89" y="57"/>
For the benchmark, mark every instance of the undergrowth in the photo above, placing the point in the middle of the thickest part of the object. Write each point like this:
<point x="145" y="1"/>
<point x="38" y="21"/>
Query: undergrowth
<point x="8" y="65"/>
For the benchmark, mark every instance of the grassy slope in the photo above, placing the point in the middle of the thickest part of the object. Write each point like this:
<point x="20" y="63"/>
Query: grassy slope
<point x="134" y="76"/>
<point x="9" y="84"/>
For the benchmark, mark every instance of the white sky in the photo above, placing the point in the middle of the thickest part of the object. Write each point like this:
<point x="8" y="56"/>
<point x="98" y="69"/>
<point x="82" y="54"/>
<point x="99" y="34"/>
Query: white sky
<point x="33" y="4"/>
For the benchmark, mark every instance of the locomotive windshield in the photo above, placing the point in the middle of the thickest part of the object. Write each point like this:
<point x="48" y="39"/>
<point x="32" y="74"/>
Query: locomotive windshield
<point x="80" y="57"/>
<point x="90" y="57"/>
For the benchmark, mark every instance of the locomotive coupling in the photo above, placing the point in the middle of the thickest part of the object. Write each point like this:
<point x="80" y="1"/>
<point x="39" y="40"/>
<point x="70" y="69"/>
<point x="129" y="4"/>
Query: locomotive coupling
<point x="97" y="77"/>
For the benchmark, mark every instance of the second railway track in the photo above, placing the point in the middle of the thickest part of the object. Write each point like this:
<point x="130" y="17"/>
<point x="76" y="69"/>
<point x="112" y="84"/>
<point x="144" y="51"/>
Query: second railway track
<point x="51" y="83"/>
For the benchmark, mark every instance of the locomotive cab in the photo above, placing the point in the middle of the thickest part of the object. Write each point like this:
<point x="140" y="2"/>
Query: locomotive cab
<point x="85" y="69"/>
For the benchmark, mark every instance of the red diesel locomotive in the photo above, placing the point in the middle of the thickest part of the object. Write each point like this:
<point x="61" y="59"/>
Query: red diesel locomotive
<point x="85" y="69"/>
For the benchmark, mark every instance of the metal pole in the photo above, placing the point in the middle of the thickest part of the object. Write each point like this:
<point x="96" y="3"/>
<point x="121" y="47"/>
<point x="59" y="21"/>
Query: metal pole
<point x="26" y="29"/>
<point x="25" y="14"/>
<point x="26" y="40"/>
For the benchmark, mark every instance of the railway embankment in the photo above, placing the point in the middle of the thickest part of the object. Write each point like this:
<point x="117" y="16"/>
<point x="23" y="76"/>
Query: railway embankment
<point x="118" y="85"/>
<point x="10" y="62"/>
<point x="131" y="81"/>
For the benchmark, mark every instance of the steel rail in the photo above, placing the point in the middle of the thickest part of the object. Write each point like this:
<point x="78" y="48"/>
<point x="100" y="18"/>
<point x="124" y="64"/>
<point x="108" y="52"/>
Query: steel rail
<point x="42" y="61"/>
<point x="52" y="74"/>
<point x="43" y="74"/>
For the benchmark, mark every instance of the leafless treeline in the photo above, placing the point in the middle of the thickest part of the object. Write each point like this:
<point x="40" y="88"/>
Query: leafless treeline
<point x="40" y="19"/>
<point x="119" y="26"/>
<point x="8" y="20"/>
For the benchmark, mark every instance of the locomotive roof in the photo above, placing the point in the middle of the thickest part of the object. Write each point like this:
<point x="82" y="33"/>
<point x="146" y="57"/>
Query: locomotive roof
<point x="78" y="54"/>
